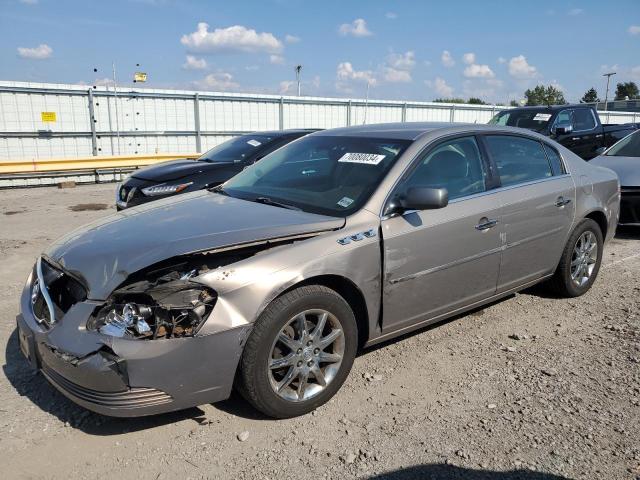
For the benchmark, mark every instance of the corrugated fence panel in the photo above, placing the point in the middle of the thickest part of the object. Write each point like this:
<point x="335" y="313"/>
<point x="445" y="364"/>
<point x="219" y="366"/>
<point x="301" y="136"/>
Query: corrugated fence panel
<point x="149" y="121"/>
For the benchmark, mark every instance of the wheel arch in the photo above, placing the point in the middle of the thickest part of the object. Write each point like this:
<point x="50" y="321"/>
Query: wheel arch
<point x="600" y="218"/>
<point x="347" y="290"/>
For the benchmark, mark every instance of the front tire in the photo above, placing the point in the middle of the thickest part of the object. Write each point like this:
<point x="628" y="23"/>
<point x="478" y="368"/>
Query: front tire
<point x="580" y="261"/>
<point x="299" y="353"/>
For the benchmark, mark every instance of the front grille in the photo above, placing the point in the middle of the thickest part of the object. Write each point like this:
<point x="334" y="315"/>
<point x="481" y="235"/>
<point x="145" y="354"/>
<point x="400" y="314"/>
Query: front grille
<point x="130" y="398"/>
<point x="53" y="292"/>
<point x="630" y="205"/>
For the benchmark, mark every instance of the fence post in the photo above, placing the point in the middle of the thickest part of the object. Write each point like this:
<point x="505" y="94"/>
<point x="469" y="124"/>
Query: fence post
<point x="281" y="113"/>
<point x="92" y="124"/>
<point x="404" y="112"/>
<point x="349" y="113"/>
<point x="452" y="114"/>
<point x="196" y="121"/>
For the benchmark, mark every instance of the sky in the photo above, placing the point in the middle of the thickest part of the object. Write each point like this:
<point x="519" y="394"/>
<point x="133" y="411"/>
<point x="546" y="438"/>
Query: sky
<point x="404" y="50"/>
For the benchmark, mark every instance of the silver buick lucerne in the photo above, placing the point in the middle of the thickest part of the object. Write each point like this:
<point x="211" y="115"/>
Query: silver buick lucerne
<point x="272" y="281"/>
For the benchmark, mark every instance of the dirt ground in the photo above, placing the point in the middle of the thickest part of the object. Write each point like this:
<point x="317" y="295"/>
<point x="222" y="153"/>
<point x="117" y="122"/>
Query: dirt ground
<point x="531" y="387"/>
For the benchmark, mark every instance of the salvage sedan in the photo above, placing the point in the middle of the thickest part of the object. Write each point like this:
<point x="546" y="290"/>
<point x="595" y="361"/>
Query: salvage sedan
<point x="340" y="240"/>
<point x="624" y="159"/>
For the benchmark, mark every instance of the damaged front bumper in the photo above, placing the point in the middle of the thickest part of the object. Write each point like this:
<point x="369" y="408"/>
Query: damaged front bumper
<point x="126" y="377"/>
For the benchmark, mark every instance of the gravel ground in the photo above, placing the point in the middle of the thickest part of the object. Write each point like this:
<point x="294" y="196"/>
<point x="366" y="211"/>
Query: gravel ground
<point x="531" y="387"/>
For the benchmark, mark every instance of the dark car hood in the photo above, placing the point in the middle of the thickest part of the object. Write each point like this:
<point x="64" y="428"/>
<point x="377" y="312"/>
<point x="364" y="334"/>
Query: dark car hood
<point x="104" y="253"/>
<point x="176" y="169"/>
<point x="627" y="168"/>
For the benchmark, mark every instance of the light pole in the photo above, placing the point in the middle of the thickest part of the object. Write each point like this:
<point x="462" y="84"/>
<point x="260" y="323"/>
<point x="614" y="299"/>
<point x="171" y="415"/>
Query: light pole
<point x="606" y="95"/>
<point x="298" y="70"/>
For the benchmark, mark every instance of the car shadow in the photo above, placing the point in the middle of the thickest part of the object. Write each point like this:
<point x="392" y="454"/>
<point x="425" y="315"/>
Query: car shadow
<point x="440" y="471"/>
<point x="32" y="385"/>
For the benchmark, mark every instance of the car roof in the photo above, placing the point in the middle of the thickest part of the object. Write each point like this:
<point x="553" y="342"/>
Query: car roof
<point x="398" y="130"/>
<point x="552" y="107"/>
<point x="282" y="133"/>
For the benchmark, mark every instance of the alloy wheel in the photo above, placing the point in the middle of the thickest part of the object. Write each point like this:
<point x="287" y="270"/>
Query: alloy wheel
<point x="584" y="258"/>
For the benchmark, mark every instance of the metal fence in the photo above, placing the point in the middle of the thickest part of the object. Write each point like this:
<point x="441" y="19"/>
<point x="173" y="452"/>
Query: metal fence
<point x="41" y="121"/>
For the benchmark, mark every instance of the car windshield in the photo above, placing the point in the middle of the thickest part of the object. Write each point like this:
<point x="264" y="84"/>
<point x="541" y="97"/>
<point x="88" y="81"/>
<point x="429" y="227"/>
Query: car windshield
<point x="629" y="146"/>
<point x="319" y="174"/>
<point x="535" y="120"/>
<point x="237" y="149"/>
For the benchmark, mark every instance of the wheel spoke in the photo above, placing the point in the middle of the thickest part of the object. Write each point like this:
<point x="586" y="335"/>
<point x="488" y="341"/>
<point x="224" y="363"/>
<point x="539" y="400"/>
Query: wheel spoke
<point x="317" y="372"/>
<point x="329" y="357"/>
<point x="301" y="326"/>
<point x="281" y="362"/>
<point x="575" y="262"/>
<point x="322" y="321"/>
<point x="288" y="378"/>
<point x="302" y="384"/>
<point x="288" y="342"/>
<point x="329" y="339"/>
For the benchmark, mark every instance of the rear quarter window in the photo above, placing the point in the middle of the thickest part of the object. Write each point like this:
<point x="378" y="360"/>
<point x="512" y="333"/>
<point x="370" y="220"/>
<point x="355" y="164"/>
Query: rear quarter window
<point x="557" y="164"/>
<point x="519" y="159"/>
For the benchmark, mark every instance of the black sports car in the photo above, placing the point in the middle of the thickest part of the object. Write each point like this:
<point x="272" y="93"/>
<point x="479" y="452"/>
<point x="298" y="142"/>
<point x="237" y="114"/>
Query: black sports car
<point x="213" y="168"/>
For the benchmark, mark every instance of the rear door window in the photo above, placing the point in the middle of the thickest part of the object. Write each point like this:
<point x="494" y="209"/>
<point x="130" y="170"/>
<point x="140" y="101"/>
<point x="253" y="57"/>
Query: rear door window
<point x="583" y="120"/>
<point x="519" y="159"/>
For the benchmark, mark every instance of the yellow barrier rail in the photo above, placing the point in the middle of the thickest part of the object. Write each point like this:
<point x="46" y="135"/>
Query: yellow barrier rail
<point x="87" y="163"/>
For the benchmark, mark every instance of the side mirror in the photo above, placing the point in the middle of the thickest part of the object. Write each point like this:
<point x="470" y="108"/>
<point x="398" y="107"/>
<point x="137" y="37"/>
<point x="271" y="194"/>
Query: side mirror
<point x="424" y="198"/>
<point x="563" y="129"/>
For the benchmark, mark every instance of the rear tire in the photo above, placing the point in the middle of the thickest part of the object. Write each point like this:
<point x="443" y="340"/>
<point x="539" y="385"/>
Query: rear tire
<point x="299" y="353"/>
<point x="580" y="261"/>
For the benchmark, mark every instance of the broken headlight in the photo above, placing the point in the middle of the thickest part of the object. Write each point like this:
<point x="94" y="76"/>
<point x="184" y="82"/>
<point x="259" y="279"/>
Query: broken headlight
<point x="164" y="308"/>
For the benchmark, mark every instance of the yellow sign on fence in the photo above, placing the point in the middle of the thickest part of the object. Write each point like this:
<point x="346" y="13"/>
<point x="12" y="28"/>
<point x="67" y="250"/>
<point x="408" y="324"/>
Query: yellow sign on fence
<point x="48" y="116"/>
<point x="139" y="77"/>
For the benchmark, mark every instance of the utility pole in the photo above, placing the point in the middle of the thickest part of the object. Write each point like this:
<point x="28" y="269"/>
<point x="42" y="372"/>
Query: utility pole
<point x="606" y="95"/>
<point x="115" y="101"/>
<point x="298" y="70"/>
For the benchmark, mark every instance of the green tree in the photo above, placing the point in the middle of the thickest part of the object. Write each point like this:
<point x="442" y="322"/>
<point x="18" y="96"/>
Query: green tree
<point x="542" y="95"/>
<point x="513" y="103"/>
<point x="476" y="101"/>
<point x="450" y="100"/>
<point x="627" y="89"/>
<point x="590" y="96"/>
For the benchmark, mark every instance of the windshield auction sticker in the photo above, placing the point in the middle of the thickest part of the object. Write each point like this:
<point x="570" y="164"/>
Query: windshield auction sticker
<point x="542" y="117"/>
<point x="366" y="158"/>
<point x="345" y="202"/>
<point x="254" y="143"/>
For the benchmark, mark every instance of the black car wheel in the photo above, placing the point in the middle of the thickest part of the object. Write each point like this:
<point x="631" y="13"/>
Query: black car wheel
<point x="580" y="261"/>
<point x="299" y="353"/>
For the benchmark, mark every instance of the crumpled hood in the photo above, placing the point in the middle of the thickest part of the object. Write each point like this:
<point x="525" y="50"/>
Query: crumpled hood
<point x="627" y="168"/>
<point x="176" y="169"/>
<point x="104" y="253"/>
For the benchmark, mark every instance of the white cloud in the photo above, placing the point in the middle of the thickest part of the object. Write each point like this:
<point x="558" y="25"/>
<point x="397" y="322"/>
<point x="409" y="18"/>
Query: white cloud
<point x="219" y="81"/>
<point x="358" y="28"/>
<point x="40" y="52"/>
<point x="478" y="71"/>
<point x="276" y="59"/>
<point x="440" y="87"/>
<point x="469" y="58"/>
<point x="574" y="12"/>
<point x="345" y="72"/>
<point x="393" y="75"/>
<point x="291" y="38"/>
<point x="447" y="59"/>
<point x="635" y="73"/>
<point x="520" y="68"/>
<point x="236" y="38"/>
<point x="634" y="30"/>
<point x="287" y="86"/>
<point x="502" y="60"/>
<point x="252" y="68"/>
<point x="103" y="82"/>
<point x="391" y="15"/>
<point x="402" y="61"/>
<point x="194" y="63"/>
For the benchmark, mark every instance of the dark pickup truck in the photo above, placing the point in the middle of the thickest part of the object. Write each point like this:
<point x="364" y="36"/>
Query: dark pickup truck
<point x="577" y="127"/>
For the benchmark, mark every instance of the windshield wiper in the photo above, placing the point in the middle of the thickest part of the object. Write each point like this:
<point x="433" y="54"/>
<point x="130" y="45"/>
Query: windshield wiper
<point x="219" y="189"/>
<point x="268" y="201"/>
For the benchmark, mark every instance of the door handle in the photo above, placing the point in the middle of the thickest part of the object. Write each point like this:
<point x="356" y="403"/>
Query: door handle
<point x="486" y="223"/>
<point x="575" y="138"/>
<point x="561" y="202"/>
